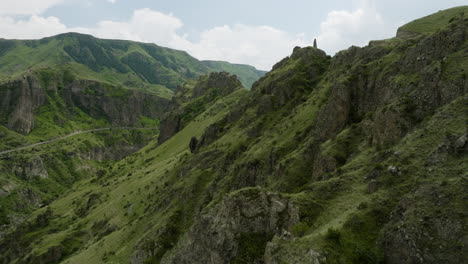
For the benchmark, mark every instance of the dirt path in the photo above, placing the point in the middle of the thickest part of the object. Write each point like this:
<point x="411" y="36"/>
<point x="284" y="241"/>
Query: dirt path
<point x="71" y="135"/>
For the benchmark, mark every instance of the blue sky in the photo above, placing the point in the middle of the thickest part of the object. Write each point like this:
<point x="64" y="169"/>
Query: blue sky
<point x="256" y="32"/>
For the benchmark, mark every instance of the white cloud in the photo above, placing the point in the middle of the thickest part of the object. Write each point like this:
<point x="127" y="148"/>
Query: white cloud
<point x="26" y="7"/>
<point x="260" y="46"/>
<point x="145" y="25"/>
<point x="342" y="29"/>
<point x="112" y="1"/>
<point x="34" y="27"/>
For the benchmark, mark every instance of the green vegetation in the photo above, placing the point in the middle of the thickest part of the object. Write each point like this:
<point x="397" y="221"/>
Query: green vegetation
<point x="437" y="21"/>
<point x="120" y="63"/>
<point x="359" y="158"/>
<point x="251" y="247"/>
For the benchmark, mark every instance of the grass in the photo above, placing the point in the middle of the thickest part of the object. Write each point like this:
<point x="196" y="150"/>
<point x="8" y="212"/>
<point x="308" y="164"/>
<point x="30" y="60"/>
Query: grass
<point x="124" y="189"/>
<point x="437" y="21"/>
<point x="116" y="62"/>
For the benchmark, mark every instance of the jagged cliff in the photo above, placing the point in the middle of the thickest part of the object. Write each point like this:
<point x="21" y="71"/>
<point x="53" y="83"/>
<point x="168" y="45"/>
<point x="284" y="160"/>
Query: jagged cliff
<point x="192" y="98"/>
<point x="23" y="99"/>
<point x="356" y="158"/>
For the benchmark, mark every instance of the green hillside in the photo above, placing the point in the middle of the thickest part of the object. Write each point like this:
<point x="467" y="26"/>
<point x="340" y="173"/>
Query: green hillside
<point x="437" y="21"/>
<point x="118" y="62"/>
<point x="356" y="158"/>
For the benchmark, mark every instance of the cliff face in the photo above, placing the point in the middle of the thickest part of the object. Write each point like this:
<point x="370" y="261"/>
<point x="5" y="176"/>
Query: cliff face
<point x="237" y="229"/>
<point x="23" y="98"/>
<point x="193" y="98"/>
<point x="121" y="106"/>
<point x="20" y="99"/>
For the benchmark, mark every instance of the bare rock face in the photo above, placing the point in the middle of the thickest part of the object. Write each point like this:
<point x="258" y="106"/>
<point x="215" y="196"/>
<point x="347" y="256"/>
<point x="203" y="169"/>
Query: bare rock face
<point x="452" y="146"/>
<point x="20" y="99"/>
<point x="274" y="254"/>
<point x="27" y="198"/>
<point x="31" y="169"/>
<point x="429" y="226"/>
<point x="243" y="220"/>
<point x="287" y="87"/>
<point x="169" y="127"/>
<point x="123" y="107"/>
<point x="207" y="89"/>
<point x="217" y="83"/>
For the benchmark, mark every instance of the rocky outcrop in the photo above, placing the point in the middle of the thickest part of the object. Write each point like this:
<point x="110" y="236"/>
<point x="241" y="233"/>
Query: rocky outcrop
<point x="429" y="226"/>
<point x="27" y="198"/>
<point x="121" y="106"/>
<point x="31" y="169"/>
<point x="22" y="99"/>
<point x="228" y="231"/>
<point x="206" y="89"/>
<point x="216" y="84"/>
<point x="289" y="85"/>
<point x="169" y="127"/>
<point x="19" y="100"/>
<point x="275" y="255"/>
<point x="452" y="146"/>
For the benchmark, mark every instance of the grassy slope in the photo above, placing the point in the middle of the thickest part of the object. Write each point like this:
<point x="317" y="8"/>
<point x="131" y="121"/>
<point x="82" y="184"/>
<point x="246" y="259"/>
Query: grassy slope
<point x="53" y="120"/>
<point x="349" y="224"/>
<point x="126" y="184"/>
<point x="437" y="21"/>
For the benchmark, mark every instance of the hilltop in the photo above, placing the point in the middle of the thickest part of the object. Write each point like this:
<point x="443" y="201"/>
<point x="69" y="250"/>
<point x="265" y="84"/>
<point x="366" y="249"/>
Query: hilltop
<point x="117" y="62"/>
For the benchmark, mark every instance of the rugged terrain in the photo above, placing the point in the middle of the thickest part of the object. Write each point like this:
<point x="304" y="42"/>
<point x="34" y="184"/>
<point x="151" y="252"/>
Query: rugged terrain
<point x="356" y="158"/>
<point x="72" y="105"/>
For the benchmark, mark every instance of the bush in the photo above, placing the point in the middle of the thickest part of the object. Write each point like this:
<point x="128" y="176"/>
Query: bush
<point x="300" y="229"/>
<point x="333" y="235"/>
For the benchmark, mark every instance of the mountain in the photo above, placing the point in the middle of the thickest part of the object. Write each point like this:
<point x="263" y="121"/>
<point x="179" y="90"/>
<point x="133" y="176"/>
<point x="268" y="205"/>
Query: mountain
<point x="117" y="62"/>
<point x="356" y="158"/>
<point x="246" y="74"/>
<point x="105" y="97"/>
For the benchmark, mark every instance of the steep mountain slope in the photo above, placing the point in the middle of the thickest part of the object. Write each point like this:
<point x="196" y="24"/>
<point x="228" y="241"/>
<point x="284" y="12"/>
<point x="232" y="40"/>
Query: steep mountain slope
<point x="359" y="158"/>
<point x="63" y="85"/>
<point x="117" y="62"/>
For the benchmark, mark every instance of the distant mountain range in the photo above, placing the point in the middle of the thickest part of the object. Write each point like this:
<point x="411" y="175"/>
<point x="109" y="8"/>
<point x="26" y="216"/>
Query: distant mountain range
<point x="118" y="62"/>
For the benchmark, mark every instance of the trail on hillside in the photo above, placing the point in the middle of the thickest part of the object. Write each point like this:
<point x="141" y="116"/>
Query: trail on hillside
<point x="75" y="133"/>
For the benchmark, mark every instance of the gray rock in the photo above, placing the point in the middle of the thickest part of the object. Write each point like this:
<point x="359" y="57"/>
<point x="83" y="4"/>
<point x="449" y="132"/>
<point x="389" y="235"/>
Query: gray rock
<point x="31" y="169"/>
<point x="216" y="236"/>
<point x="460" y="145"/>
<point x="394" y="170"/>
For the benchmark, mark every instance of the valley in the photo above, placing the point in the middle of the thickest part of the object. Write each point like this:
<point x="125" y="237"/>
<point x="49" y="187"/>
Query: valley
<point x="124" y="152"/>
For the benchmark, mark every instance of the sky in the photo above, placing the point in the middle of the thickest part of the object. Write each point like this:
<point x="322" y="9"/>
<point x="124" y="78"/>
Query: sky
<point x="255" y="32"/>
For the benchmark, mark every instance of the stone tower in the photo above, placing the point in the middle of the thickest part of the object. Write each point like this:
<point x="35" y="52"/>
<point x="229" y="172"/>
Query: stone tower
<point x="315" y="43"/>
